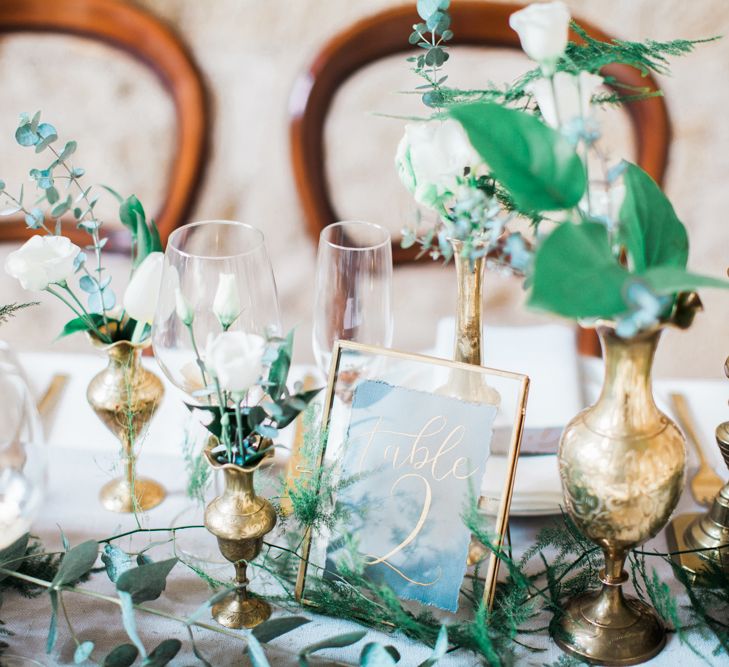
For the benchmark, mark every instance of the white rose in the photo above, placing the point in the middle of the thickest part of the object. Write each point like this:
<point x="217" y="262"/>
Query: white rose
<point x="543" y="31"/>
<point x="431" y="156"/>
<point x="574" y="95"/>
<point x="235" y="359"/>
<point x="41" y="261"/>
<point x="142" y="293"/>
<point x="184" y="311"/>
<point x="226" y="304"/>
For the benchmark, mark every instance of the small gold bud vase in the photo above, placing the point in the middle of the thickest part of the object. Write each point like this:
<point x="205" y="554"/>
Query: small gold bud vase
<point x="239" y="519"/>
<point x="125" y="396"/>
<point x="622" y="464"/>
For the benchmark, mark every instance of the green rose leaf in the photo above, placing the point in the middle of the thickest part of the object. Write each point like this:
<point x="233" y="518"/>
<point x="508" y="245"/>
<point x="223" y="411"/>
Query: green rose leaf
<point x="122" y="656"/>
<point x="81" y="324"/>
<point x="536" y="164"/>
<point x="649" y="227"/>
<point x="76" y="563"/>
<point x="128" y="211"/>
<point x="83" y="652"/>
<point x="338" y="641"/>
<point x="270" y="630"/>
<point x="280" y="368"/>
<point x="145" y="582"/>
<point x="162" y="655"/>
<point x="575" y="274"/>
<point x="673" y="279"/>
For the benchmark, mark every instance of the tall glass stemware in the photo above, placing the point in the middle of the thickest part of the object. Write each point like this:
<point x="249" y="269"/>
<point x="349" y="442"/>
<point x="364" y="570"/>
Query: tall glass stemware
<point x="199" y="259"/>
<point x="210" y="267"/>
<point x="353" y="298"/>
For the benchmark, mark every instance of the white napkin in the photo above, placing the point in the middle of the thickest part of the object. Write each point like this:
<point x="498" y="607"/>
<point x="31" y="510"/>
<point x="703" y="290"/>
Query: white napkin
<point x="548" y="355"/>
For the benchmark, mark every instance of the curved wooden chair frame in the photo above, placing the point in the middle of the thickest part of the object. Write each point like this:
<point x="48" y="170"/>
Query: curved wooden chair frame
<point x="384" y="34"/>
<point x="127" y="27"/>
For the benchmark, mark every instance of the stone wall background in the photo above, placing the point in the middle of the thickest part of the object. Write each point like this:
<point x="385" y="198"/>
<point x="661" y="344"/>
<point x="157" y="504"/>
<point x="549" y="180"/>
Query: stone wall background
<point x="250" y="54"/>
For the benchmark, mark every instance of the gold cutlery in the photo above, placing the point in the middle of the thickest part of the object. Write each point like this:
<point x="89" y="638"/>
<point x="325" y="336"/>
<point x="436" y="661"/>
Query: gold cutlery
<point x="705" y="483"/>
<point x="293" y="468"/>
<point x="52" y="394"/>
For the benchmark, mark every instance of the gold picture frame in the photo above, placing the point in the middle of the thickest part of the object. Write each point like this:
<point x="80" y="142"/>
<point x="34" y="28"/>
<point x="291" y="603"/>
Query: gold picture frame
<point x="521" y="389"/>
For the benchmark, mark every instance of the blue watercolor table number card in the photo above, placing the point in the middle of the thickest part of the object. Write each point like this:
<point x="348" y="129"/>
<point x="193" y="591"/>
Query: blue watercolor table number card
<point x="422" y="456"/>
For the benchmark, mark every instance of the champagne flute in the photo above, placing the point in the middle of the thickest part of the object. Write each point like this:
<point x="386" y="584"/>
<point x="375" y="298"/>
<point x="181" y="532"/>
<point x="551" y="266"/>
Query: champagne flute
<point x="216" y="276"/>
<point x="353" y="299"/>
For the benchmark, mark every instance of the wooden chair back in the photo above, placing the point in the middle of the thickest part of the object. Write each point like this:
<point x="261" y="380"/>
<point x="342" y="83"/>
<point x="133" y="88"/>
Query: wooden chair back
<point x="126" y="26"/>
<point x="484" y="24"/>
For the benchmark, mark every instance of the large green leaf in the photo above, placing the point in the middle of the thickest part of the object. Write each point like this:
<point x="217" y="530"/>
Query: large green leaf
<point x="76" y="563"/>
<point x="649" y="227"/>
<point x="338" y="641"/>
<point x="81" y="324"/>
<point x="673" y="279"/>
<point x="575" y="274"/>
<point x="122" y="656"/>
<point x="535" y="163"/>
<point x="145" y="582"/>
<point x="280" y="367"/>
<point x="276" y="627"/>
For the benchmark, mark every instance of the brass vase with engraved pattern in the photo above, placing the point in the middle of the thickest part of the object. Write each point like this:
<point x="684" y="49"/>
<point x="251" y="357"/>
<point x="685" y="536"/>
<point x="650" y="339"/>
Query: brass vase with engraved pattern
<point x="239" y="519"/>
<point x="125" y="396"/>
<point x="622" y="465"/>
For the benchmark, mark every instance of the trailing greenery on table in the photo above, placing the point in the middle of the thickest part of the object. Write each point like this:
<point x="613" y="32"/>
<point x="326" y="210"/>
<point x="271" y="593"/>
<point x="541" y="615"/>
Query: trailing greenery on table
<point x="560" y="564"/>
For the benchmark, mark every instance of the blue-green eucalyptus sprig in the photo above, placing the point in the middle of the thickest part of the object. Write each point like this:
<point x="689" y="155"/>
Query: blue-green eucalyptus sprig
<point x="94" y="280"/>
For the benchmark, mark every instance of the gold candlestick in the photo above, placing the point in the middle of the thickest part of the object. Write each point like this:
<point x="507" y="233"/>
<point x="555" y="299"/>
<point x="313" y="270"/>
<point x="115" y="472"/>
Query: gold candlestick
<point x="708" y="531"/>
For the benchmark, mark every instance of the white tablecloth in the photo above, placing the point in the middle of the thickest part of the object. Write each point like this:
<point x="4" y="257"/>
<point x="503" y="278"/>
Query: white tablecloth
<point x="82" y="455"/>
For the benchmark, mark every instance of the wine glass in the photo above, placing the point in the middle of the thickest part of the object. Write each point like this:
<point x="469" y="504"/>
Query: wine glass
<point x="22" y="457"/>
<point x="22" y="464"/>
<point x="353" y="298"/>
<point x="219" y="273"/>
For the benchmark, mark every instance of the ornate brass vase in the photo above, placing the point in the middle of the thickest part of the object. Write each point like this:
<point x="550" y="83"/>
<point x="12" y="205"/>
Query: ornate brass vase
<point x="622" y="464"/>
<point x="125" y="396"/>
<point x="239" y="519"/>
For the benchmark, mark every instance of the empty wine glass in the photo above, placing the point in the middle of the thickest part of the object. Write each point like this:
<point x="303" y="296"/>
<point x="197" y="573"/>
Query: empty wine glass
<point x="22" y="457"/>
<point x="353" y="299"/>
<point x="216" y="275"/>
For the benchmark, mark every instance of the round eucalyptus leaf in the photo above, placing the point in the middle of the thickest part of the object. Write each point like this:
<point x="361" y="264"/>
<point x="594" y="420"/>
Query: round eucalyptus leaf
<point x="82" y="652"/>
<point x="122" y="656"/>
<point x="25" y="136"/>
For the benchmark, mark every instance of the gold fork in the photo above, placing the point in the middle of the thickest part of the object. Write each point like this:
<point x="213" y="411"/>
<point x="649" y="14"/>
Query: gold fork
<point x="705" y="484"/>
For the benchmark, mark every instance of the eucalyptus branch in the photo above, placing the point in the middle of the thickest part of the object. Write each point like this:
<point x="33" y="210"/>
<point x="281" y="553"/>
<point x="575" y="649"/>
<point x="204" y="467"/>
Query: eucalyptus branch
<point x="112" y="600"/>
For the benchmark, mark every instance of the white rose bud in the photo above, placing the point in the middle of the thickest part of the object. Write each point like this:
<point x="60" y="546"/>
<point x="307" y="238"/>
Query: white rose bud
<point x="184" y="311"/>
<point x="235" y="360"/>
<point x="142" y="293"/>
<point x="431" y="156"/>
<point x="574" y="96"/>
<point x="226" y="304"/>
<point x="543" y="30"/>
<point x="42" y="261"/>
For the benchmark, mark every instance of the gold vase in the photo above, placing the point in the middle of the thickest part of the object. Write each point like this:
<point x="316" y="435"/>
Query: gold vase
<point x="468" y="347"/>
<point x="239" y="519"/>
<point x="125" y="396"/>
<point x="622" y="464"/>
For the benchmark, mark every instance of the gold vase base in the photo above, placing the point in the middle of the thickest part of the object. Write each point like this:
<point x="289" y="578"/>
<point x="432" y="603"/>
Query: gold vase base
<point x="238" y="611"/>
<point x="692" y="563"/>
<point x="116" y="495"/>
<point x="605" y="628"/>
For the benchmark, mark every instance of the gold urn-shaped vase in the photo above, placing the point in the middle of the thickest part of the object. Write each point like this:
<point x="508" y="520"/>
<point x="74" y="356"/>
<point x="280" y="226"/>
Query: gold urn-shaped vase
<point x="622" y="464"/>
<point x="239" y="519"/>
<point x="125" y="396"/>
